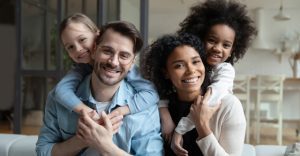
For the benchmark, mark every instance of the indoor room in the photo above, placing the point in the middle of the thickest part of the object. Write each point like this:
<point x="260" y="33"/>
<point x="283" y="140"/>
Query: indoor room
<point x="267" y="78"/>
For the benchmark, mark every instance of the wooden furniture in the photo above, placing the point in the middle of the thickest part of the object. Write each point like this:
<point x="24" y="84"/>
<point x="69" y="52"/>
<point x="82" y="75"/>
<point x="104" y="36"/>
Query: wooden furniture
<point x="241" y="90"/>
<point x="269" y="92"/>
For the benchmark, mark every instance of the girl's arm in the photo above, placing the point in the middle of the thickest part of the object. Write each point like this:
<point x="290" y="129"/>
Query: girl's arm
<point x="221" y="82"/>
<point x="145" y="95"/>
<point x="66" y="88"/>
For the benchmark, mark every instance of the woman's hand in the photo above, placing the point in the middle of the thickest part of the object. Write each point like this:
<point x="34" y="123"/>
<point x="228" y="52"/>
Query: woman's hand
<point x="201" y="114"/>
<point x="176" y="145"/>
<point x="167" y="124"/>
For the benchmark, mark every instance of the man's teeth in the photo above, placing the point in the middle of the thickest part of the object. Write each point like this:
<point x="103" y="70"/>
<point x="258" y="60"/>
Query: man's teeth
<point x="191" y="80"/>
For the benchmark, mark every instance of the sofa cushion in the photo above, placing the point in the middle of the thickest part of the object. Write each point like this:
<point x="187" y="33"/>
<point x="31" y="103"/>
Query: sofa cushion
<point x="270" y="150"/>
<point x="248" y="150"/>
<point x="24" y="146"/>
<point x="6" y="140"/>
<point x="15" y="145"/>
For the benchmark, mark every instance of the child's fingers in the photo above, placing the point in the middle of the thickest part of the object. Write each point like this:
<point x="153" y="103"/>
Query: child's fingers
<point x="179" y="150"/>
<point x="116" y="119"/>
<point x="113" y="114"/>
<point x="107" y="123"/>
<point x="116" y="127"/>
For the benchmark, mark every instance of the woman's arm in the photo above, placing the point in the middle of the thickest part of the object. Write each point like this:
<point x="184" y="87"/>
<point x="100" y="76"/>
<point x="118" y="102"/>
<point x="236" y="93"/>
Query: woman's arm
<point x="227" y="129"/>
<point x="66" y="88"/>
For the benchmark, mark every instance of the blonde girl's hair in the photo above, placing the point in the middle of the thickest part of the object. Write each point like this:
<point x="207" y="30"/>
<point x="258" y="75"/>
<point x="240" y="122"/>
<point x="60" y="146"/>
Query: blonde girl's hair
<point x="78" y="18"/>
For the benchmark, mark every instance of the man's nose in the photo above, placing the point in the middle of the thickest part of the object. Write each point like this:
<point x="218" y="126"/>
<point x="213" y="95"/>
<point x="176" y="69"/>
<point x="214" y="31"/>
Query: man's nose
<point x="114" y="60"/>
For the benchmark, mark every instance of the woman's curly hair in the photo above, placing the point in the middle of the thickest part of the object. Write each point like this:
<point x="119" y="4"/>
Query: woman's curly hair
<point x="234" y="14"/>
<point x="153" y="60"/>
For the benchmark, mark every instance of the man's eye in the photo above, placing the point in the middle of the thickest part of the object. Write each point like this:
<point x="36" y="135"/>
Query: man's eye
<point x="107" y="52"/>
<point x="197" y="61"/>
<point x="125" y="56"/>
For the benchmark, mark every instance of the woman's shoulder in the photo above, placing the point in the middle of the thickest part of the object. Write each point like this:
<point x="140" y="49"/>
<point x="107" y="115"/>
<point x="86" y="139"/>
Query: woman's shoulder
<point x="231" y="111"/>
<point x="230" y="99"/>
<point x="231" y="103"/>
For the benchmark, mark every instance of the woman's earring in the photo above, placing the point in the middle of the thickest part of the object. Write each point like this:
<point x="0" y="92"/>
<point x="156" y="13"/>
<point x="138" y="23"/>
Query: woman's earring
<point x="173" y="89"/>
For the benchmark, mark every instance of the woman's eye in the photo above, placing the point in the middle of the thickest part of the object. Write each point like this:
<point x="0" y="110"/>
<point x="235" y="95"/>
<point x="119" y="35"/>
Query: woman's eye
<point x="178" y="66"/>
<point x="197" y="61"/>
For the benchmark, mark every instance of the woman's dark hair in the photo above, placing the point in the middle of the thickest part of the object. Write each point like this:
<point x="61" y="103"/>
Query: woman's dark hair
<point x="127" y="29"/>
<point x="154" y="59"/>
<point x="204" y="15"/>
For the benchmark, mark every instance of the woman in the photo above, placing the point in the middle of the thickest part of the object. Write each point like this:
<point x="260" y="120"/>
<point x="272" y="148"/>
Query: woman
<point x="175" y="65"/>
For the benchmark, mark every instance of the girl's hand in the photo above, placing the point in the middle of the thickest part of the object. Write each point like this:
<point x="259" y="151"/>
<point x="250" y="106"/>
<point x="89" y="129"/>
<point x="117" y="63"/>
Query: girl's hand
<point x="116" y="120"/>
<point x="176" y="145"/>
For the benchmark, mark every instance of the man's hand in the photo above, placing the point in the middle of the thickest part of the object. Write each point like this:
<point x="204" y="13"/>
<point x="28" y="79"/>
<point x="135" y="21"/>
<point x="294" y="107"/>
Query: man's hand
<point x="176" y="145"/>
<point x="93" y="134"/>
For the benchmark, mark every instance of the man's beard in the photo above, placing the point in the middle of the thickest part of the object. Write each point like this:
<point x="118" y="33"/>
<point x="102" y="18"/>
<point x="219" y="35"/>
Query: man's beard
<point x="98" y="67"/>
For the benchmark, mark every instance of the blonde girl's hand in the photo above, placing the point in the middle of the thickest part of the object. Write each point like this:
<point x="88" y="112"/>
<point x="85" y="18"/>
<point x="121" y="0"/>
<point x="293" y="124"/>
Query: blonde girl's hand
<point x="116" y="119"/>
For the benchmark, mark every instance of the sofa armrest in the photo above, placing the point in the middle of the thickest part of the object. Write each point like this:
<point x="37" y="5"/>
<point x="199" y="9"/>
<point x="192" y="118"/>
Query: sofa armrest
<point x="248" y="150"/>
<point x="15" y="145"/>
<point x="272" y="150"/>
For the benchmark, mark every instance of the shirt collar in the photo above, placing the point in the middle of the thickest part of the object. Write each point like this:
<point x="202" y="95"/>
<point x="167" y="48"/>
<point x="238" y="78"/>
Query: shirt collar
<point x="119" y="98"/>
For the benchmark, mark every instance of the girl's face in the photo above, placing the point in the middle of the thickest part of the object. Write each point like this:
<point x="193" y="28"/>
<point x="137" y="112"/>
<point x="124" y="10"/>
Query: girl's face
<point x="78" y="41"/>
<point x="186" y="70"/>
<point x="218" y="44"/>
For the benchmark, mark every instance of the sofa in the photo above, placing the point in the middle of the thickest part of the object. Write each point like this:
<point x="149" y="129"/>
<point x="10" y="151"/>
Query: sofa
<point x="24" y="145"/>
<point x="263" y="150"/>
<point x="17" y="145"/>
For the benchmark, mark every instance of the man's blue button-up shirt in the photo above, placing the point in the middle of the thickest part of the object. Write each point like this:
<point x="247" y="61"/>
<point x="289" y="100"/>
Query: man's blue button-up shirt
<point x="138" y="135"/>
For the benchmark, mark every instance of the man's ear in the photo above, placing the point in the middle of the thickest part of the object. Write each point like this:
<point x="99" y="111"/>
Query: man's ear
<point x="133" y="62"/>
<point x="93" y="51"/>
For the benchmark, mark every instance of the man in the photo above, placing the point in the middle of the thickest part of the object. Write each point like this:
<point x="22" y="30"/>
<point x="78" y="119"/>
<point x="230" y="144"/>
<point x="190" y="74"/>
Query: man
<point x="140" y="132"/>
